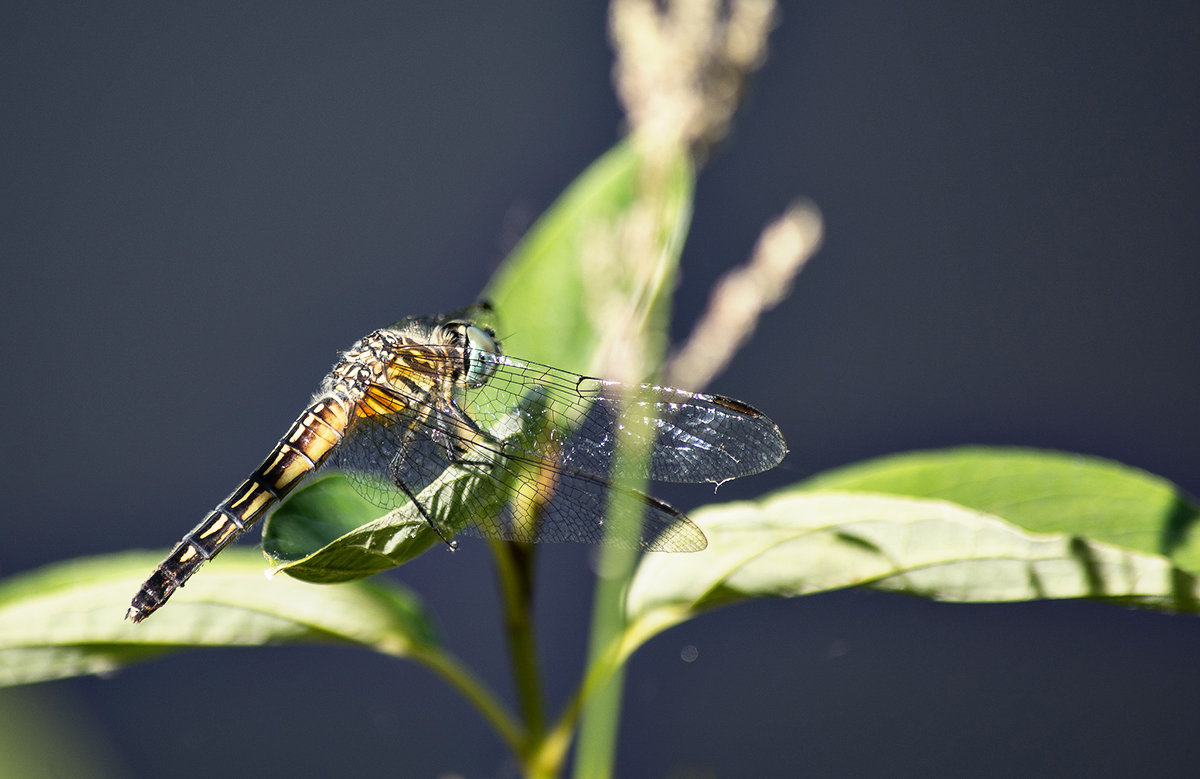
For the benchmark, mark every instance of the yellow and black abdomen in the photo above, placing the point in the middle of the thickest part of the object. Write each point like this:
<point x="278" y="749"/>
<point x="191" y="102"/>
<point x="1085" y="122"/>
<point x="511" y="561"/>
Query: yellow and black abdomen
<point x="304" y="447"/>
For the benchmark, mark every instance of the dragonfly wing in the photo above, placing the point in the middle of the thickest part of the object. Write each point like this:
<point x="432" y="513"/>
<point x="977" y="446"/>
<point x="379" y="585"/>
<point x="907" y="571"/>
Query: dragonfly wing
<point x="691" y="437"/>
<point x="707" y="437"/>
<point x="389" y="427"/>
<point x="390" y="457"/>
<point x="554" y="502"/>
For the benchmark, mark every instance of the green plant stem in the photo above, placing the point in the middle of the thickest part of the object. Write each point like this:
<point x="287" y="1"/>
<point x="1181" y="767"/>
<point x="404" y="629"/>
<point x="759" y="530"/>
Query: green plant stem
<point x="596" y="752"/>
<point x="598" y="728"/>
<point x="515" y="569"/>
<point x="474" y="690"/>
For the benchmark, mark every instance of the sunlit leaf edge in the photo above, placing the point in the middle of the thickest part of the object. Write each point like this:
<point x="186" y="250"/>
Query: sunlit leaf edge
<point x="1041" y="490"/>
<point x="67" y="618"/>
<point x="796" y="543"/>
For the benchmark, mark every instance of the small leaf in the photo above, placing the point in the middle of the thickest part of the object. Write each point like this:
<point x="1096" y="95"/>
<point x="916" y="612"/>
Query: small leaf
<point x="798" y="543"/>
<point x="318" y="535"/>
<point x="539" y="288"/>
<point x="1040" y="490"/>
<point x="326" y="532"/>
<point x="313" y="516"/>
<point x="67" y="619"/>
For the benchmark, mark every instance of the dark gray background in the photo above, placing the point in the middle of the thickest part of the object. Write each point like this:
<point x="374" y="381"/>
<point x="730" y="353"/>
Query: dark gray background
<point x="202" y="204"/>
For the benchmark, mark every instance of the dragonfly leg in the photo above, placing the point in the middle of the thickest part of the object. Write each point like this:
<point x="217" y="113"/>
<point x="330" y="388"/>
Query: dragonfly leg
<point x="400" y="485"/>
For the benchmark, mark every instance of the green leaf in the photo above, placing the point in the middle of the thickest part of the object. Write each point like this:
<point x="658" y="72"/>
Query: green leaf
<point x="797" y="543"/>
<point x="327" y="533"/>
<point x="314" y="516"/>
<point x="67" y="619"/>
<point x="1040" y="490"/>
<point x="539" y="289"/>
<point x="319" y="534"/>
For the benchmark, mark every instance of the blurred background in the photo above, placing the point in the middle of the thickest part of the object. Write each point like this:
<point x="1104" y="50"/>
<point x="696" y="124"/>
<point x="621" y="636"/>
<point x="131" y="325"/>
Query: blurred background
<point x="204" y="202"/>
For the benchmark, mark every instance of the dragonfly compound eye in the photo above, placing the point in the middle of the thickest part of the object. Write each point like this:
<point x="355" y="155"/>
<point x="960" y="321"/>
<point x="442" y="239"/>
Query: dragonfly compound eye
<point x="482" y="351"/>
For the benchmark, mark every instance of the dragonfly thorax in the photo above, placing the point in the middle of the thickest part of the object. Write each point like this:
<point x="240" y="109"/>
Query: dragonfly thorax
<point x="417" y="358"/>
<point x="363" y="363"/>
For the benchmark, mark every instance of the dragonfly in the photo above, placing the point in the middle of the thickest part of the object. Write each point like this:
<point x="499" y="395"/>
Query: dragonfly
<point x="407" y="403"/>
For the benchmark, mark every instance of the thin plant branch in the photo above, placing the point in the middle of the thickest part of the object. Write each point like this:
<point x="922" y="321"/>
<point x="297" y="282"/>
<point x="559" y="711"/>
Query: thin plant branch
<point x="474" y="690"/>
<point x="514" y="570"/>
<point x="681" y="67"/>
<point x="742" y="295"/>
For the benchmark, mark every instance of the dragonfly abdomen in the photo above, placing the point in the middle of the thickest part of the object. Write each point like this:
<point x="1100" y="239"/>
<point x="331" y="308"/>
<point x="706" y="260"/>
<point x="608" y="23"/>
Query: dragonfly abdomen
<point x="304" y="447"/>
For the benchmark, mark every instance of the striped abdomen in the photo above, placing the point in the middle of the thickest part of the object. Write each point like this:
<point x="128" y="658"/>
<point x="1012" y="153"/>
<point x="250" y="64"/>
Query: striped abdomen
<point x="304" y="447"/>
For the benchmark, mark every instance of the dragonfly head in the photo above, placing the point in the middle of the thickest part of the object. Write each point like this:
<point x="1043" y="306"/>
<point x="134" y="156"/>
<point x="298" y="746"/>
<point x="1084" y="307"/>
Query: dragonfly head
<point x="481" y="355"/>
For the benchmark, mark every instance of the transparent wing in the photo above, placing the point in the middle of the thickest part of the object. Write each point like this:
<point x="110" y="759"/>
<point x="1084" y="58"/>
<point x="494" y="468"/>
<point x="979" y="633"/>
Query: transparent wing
<point x="391" y="457"/>
<point x="386" y="427"/>
<point x="691" y="437"/>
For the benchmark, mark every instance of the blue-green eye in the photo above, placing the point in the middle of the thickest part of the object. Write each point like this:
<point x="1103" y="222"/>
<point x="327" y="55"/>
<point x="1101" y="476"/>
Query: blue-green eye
<point x="482" y="351"/>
